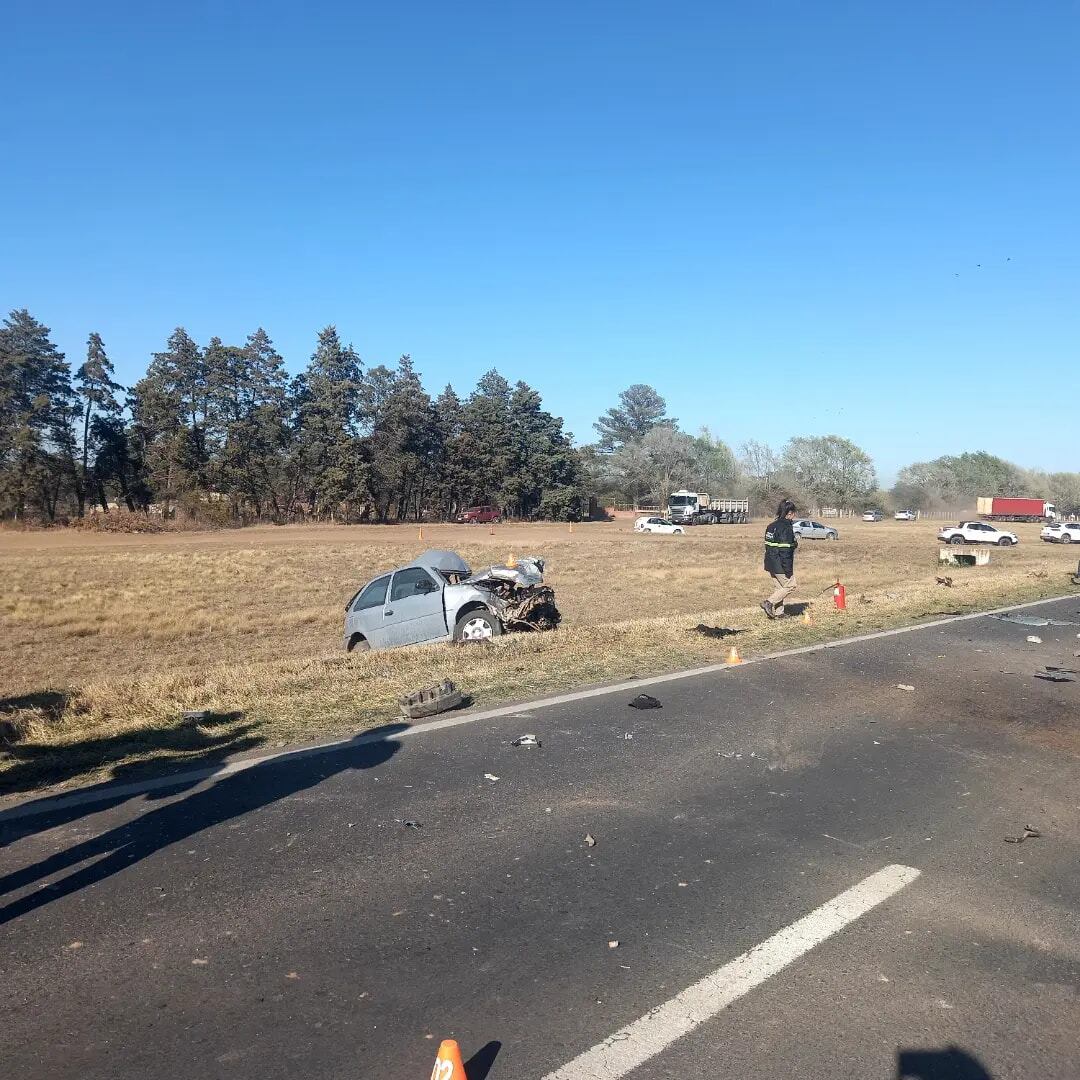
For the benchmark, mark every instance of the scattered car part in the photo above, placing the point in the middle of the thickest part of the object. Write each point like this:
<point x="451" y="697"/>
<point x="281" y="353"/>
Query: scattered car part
<point x="526" y="740"/>
<point x="430" y="700"/>
<point x="718" y="631"/>
<point x="590" y="840"/>
<point x="645" y="701"/>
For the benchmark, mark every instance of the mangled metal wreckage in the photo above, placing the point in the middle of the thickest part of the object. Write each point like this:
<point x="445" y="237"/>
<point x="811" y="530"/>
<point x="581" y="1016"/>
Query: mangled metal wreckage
<point x="437" y="597"/>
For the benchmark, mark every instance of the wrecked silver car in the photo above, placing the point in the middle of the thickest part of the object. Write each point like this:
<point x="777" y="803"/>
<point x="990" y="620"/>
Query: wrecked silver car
<point x="438" y="598"/>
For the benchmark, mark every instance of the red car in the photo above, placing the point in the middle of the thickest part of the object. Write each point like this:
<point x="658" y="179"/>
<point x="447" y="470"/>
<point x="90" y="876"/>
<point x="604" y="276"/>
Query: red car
<point x="481" y="515"/>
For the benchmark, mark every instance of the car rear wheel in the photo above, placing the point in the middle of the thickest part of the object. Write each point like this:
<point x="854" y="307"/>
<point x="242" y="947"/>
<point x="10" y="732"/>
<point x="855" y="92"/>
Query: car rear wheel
<point x="1004" y="542"/>
<point x="956" y="540"/>
<point x="1066" y="538"/>
<point x="477" y="626"/>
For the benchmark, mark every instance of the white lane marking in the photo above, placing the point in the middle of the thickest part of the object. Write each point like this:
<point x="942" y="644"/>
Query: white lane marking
<point x="660" y="1027"/>
<point x="48" y="805"/>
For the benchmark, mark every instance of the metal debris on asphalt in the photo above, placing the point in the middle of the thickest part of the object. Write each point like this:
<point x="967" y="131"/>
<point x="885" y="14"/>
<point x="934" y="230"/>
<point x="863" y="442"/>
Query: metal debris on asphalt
<point x="645" y="701"/>
<point x="590" y="840"/>
<point x="526" y="740"/>
<point x="1031" y="620"/>
<point x="1028" y="832"/>
<point x="1056" y="675"/>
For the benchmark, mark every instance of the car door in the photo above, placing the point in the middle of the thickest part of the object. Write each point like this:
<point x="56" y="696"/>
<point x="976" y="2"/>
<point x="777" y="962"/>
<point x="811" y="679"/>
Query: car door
<point x="818" y="531"/>
<point x="366" y="613"/>
<point x="414" y="608"/>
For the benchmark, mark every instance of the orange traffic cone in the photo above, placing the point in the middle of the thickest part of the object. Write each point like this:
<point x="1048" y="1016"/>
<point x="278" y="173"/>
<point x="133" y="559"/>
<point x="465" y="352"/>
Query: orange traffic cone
<point x="448" y="1064"/>
<point x="733" y="656"/>
<point x="511" y="562"/>
<point x="421" y="532"/>
<point x="806" y="618"/>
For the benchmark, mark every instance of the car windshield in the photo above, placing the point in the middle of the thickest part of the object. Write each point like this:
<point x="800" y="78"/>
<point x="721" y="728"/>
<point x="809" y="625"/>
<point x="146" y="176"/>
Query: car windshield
<point x="682" y="500"/>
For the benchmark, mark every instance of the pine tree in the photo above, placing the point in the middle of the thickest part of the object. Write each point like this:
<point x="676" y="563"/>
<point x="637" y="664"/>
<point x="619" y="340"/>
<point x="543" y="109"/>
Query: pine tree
<point x="486" y="445"/>
<point x="96" y="388"/>
<point x="447" y="423"/>
<point x="37" y="405"/>
<point x="329" y="457"/>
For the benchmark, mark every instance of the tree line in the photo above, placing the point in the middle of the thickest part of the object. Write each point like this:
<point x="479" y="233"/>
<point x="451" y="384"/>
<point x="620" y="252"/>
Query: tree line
<point x="642" y="455"/>
<point x="221" y="433"/>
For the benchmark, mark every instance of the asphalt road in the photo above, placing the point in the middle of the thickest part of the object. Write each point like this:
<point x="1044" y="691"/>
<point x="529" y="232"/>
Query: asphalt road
<point x="285" y="921"/>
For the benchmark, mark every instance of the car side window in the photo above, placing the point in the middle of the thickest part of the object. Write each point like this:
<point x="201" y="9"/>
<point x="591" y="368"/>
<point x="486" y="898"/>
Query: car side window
<point x="817" y="525"/>
<point x="412" y="581"/>
<point x="373" y="596"/>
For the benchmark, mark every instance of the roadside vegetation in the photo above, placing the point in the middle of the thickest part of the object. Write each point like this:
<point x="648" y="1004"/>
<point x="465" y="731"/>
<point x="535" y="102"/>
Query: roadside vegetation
<point x="109" y="639"/>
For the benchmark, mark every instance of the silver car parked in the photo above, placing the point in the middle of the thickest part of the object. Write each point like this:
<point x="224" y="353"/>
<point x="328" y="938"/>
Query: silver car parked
<point x="814" y="530"/>
<point x="438" y="598"/>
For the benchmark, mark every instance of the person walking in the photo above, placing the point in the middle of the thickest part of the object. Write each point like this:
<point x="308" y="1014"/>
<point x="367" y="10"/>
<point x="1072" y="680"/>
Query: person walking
<point x="780" y="545"/>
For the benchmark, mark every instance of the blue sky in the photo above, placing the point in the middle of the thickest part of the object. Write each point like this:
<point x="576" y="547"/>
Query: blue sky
<point x="775" y="213"/>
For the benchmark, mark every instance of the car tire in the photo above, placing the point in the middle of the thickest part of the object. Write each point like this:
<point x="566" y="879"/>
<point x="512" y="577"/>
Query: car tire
<point x="477" y="625"/>
<point x="677" y="532"/>
<point x="956" y="540"/>
<point x="1066" y="538"/>
<point x="358" y="644"/>
<point x="1004" y="542"/>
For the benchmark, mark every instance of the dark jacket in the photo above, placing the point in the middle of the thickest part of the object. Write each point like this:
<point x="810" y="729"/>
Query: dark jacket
<point x="780" y="545"/>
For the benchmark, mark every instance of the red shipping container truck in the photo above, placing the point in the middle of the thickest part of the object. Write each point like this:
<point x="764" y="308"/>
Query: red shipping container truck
<point x="997" y="509"/>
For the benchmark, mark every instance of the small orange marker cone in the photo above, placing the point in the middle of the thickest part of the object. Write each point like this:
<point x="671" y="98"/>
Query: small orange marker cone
<point x="806" y="618"/>
<point x="421" y="532"/>
<point x="448" y="1064"/>
<point x="491" y="529"/>
<point x="733" y="656"/>
<point x="511" y="562"/>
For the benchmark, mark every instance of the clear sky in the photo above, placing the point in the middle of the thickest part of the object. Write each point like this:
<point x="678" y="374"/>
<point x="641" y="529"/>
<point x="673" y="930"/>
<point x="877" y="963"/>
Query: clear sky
<point x="790" y="218"/>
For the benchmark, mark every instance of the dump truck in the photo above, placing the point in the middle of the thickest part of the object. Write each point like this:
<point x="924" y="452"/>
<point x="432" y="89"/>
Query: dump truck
<point x="999" y="509"/>
<point x="696" y="508"/>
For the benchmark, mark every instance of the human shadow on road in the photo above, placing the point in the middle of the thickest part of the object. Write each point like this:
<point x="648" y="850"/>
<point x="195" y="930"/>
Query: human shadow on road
<point x="951" y="1063"/>
<point x="229" y="797"/>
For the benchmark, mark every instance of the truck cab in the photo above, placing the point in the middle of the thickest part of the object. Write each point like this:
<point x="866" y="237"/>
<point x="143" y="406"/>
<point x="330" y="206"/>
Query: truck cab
<point x="683" y="505"/>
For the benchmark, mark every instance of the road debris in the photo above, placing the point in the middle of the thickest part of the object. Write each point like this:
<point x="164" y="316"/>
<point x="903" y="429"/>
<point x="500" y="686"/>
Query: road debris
<point x="904" y="686"/>
<point x="946" y="581"/>
<point x="526" y="740"/>
<point x="490" y="776"/>
<point x="590" y="840"/>
<point x="613" y="944"/>
<point x="628" y="735"/>
<point x="1031" y="620"/>
<point x="645" y="701"/>
<point x="1034" y="639"/>
<point x="717" y="631"/>
<point x="1028" y="832"/>
<point x="1052" y="674"/>
<point x="196" y="716"/>
<point x="409" y="824"/>
<point x="430" y="700"/>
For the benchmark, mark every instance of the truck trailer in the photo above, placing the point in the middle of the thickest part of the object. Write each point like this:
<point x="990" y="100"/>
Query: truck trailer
<point x="696" y="508"/>
<point x="998" y="509"/>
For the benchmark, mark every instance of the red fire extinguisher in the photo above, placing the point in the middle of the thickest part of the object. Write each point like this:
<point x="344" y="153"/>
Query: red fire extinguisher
<point x="839" y="596"/>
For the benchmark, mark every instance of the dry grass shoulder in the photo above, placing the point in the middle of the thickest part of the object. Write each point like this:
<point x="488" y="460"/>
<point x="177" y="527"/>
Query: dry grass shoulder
<point x="109" y="639"/>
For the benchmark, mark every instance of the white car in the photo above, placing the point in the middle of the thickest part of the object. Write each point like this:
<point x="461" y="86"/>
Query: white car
<point x="1062" y="532"/>
<point x="904" y="515"/>
<point x="658" y="525"/>
<point x="977" y="532"/>
<point x="872" y="515"/>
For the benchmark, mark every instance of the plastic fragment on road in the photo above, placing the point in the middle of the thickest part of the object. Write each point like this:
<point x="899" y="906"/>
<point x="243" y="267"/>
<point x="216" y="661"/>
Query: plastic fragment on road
<point x="490" y="776"/>
<point x="904" y="686"/>
<point x="526" y="740"/>
<point x="590" y="840"/>
<point x="410" y="824"/>
<point x="1056" y="675"/>
<point x="645" y="701"/>
<point x="1034" y="639"/>
<point x="613" y="944"/>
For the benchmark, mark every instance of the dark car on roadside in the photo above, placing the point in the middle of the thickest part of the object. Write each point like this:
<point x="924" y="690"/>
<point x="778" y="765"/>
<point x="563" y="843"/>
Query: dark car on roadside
<point x="480" y="515"/>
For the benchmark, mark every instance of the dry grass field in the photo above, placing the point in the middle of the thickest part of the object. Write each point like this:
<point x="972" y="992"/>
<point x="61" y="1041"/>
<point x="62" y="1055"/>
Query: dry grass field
<point x="107" y="639"/>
